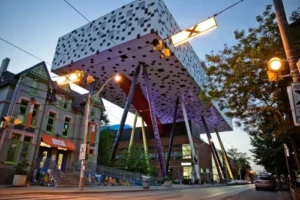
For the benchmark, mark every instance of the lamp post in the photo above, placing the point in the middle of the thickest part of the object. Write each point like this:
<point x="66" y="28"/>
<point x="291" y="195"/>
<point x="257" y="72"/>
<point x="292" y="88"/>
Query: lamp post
<point x="88" y="108"/>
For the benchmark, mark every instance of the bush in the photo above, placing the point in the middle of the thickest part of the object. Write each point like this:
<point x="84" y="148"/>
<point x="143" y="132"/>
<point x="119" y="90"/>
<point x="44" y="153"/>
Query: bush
<point x="21" y="168"/>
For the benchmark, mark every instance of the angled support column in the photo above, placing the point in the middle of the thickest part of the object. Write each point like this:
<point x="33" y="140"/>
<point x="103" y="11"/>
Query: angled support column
<point x="224" y="154"/>
<point x="132" y="132"/>
<point x="125" y="112"/>
<point x="172" y="135"/>
<point x="188" y="129"/>
<point x="219" y="160"/>
<point x="145" y="143"/>
<point x="211" y="144"/>
<point x="154" y="124"/>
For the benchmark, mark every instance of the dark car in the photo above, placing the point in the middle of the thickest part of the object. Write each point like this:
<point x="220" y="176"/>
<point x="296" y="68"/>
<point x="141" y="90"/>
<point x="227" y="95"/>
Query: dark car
<point x="265" y="181"/>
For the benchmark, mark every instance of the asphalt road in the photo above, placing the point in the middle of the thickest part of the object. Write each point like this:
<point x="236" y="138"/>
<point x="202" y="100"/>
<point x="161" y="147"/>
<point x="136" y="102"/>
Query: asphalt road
<point x="209" y="193"/>
<point x="260" y="195"/>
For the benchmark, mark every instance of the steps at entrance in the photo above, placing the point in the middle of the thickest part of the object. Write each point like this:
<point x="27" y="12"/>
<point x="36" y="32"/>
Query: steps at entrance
<point x="72" y="180"/>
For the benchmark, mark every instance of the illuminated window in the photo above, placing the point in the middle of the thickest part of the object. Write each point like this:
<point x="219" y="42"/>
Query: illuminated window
<point x="186" y="151"/>
<point x="187" y="171"/>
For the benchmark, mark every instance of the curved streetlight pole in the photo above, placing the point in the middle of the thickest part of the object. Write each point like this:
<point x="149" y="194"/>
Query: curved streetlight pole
<point x="88" y="109"/>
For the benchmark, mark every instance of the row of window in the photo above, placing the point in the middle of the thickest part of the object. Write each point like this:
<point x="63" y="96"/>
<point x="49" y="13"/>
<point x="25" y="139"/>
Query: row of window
<point x="50" y="127"/>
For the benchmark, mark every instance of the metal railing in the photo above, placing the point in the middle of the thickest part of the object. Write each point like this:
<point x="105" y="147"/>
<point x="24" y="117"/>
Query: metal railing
<point x="134" y="178"/>
<point x="51" y="166"/>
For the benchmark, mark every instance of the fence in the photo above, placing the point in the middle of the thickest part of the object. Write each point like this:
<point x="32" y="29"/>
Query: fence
<point x="134" y="178"/>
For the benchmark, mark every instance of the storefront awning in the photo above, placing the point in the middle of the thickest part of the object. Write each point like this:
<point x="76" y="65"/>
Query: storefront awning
<point x="58" y="142"/>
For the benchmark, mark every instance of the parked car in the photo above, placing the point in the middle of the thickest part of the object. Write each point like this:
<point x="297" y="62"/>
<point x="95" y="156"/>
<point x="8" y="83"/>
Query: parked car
<point x="265" y="181"/>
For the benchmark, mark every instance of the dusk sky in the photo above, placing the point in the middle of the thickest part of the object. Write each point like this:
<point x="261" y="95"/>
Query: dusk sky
<point x="36" y="25"/>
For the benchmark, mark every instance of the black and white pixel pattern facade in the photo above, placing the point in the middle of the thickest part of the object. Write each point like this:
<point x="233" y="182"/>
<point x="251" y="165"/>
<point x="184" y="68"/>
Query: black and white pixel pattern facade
<point x="118" y="41"/>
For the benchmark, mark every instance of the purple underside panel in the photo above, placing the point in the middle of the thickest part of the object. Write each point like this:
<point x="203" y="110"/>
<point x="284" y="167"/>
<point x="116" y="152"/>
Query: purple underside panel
<point x="155" y="127"/>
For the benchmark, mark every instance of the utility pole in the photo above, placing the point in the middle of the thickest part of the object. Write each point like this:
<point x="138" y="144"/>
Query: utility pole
<point x="286" y="39"/>
<point x="86" y="129"/>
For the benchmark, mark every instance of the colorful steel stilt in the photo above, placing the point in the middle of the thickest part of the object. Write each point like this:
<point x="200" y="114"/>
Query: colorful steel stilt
<point x="154" y="124"/>
<point x="212" y="149"/>
<point x="224" y="154"/>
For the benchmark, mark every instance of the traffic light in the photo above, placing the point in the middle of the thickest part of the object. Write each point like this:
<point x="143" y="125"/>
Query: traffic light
<point x="79" y="74"/>
<point x="162" y="48"/>
<point x="274" y="69"/>
<point x="4" y="122"/>
<point x="90" y="79"/>
<point x="17" y="122"/>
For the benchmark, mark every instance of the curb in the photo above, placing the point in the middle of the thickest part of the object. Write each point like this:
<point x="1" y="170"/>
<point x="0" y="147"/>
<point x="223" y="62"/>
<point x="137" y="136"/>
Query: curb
<point x="66" y="191"/>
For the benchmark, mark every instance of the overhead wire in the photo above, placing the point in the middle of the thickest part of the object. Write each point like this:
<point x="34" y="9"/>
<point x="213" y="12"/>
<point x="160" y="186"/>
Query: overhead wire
<point x="216" y="14"/>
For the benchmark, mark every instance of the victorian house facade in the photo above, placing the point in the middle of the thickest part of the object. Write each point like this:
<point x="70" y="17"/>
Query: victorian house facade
<point x="52" y="121"/>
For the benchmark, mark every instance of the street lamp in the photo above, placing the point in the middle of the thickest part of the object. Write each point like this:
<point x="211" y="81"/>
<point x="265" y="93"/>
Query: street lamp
<point x="194" y="31"/>
<point x="90" y="80"/>
<point x="70" y="78"/>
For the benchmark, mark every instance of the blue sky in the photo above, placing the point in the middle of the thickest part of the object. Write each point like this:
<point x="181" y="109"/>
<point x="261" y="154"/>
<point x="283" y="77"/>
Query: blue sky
<point x="36" y="25"/>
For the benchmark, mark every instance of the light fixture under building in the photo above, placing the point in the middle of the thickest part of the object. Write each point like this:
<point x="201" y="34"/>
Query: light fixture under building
<point x="194" y="31"/>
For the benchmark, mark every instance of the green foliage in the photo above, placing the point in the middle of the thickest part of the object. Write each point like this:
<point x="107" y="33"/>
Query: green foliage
<point x="105" y="146"/>
<point x="237" y="79"/>
<point x="269" y="153"/>
<point x="21" y="168"/>
<point x="240" y="161"/>
<point x="135" y="161"/>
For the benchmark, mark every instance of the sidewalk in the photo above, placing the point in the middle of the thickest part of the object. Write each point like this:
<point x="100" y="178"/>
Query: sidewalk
<point x="6" y="190"/>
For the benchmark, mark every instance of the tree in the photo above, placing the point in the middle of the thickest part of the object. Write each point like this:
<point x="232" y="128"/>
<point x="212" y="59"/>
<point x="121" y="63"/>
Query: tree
<point x="105" y="146"/>
<point x="240" y="161"/>
<point x="135" y="161"/>
<point x="269" y="153"/>
<point x="237" y="80"/>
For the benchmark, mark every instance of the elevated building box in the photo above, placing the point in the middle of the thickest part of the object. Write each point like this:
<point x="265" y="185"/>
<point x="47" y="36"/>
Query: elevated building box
<point x="118" y="41"/>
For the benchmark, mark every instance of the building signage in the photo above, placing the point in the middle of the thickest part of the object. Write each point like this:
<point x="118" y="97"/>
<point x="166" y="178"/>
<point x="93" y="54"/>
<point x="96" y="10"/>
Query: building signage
<point x="58" y="142"/>
<point x="82" y="152"/>
<point x="294" y="98"/>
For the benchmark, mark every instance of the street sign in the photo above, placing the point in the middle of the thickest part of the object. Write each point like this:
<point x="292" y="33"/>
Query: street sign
<point x="82" y="152"/>
<point x="294" y="98"/>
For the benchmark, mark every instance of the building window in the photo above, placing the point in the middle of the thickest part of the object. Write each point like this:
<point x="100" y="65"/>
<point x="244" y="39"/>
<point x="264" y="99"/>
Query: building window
<point x="23" y="111"/>
<point x="142" y="4"/>
<point x="111" y="34"/>
<point x="66" y="126"/>
<point x="129" y="13"/>
<point x="186" y="151"/>
<point x="91" y="156"/>
<point x="13" y="148"/>
<point x="102" y="26"/>
<point x="93" y="112"/>
<point x="113" y="17"/>
<point x="63" y="102"/>
<point x="176" y="155"/>
<point x="35" y="115"/>
<point x="51" y="122"/>
<point x="140" y="21"/>
<point x="25" y="148"/>
<point x="34" y="87"/>
<point x="187" y="171"/>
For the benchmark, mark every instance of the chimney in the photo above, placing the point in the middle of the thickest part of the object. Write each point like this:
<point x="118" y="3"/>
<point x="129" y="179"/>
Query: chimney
<point x="4" y="66"/>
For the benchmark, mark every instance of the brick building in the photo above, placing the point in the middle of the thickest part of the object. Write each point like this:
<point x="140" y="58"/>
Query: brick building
<point x="181" y="157"/>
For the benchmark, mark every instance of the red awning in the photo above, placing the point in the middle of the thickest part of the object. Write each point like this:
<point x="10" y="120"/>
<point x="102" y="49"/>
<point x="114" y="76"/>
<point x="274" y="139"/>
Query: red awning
<point x="58" y="142"/>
